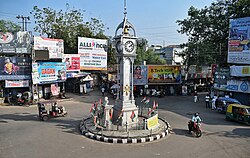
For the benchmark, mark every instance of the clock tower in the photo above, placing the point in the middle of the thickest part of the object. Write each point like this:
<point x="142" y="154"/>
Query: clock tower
<point x="125" y="112"/>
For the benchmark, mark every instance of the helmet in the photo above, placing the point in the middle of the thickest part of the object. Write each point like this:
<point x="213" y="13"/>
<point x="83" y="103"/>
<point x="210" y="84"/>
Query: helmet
<point x="196" y="114"/>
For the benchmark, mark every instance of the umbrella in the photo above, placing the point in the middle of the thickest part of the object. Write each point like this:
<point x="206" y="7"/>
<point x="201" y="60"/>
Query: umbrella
<point x="115" y="86"/>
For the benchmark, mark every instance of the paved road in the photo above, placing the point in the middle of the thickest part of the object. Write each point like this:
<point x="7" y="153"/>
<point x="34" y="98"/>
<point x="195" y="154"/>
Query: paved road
<point x="23" y="135"/>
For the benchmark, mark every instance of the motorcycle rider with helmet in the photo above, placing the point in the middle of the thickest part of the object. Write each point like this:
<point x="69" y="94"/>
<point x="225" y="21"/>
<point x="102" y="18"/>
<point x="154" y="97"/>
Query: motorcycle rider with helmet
<point x="195" y="119"/>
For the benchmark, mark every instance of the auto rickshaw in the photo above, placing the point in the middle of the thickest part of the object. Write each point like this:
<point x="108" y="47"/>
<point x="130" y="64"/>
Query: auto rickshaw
<point x="239" y="113"/>
<point x="54" y="111"/>
<point x="223" y="102"/>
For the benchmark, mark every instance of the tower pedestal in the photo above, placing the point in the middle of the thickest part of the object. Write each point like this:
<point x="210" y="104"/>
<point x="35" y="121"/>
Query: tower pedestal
<point x="125" y="114"/>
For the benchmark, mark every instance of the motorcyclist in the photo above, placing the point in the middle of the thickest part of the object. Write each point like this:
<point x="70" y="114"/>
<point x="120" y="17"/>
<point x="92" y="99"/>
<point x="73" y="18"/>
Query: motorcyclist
<point x="195" y="119"/>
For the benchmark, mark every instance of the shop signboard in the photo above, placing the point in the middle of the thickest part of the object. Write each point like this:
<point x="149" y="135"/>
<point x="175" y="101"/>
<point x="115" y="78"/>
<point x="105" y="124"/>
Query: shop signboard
<point x="239" y="41"/>
<point x="17" y="42"/>
<point x="240" y="71"/>
<point x="72" y="62"/>
<point x="54" y="46"/>
<point x="20" y="83"/>
<point x="238" y="86"/>
<point x="140" y="75"/>
<point x="51" y="71"/>
<point x="164" y="74"/>
<point x="92" y="53"/>
<point x="15" y="68"/>
<point x="222" y="75"/>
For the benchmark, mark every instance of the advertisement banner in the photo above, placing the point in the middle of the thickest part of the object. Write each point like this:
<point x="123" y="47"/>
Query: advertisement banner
<point x="20" y="83"/>
<point x="55" y="89"/>
<point x="238" y="86"/>
<point x="72" y="62"/>
<point x="239" y="41"/>
<point x="54" y="46"/>
<point x="140" y="75"/>
<point x="92" y="53"/>
<point x="51" y="71"/>
<point x="242" y="71"/>
<point x="15" y="68"/>
<point x="164" y="74"/>
<point x="18" y="42"/>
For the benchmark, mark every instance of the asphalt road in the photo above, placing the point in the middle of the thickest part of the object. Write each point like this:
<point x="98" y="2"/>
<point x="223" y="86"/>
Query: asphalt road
<point x="22" y="135"/>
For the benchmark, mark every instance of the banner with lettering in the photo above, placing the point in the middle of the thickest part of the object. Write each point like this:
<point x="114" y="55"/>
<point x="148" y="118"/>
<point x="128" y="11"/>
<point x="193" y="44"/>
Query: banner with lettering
<point x="51" y="71"/>
<point x="164" y="74"/>
<point x="92" y="53"/>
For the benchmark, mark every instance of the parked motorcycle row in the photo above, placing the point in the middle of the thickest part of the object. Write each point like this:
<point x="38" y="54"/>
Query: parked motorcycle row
<point x="20" y="99"/>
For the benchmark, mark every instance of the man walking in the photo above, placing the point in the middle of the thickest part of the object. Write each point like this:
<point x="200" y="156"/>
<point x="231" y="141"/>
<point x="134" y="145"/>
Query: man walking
<point x="207" y="99"/>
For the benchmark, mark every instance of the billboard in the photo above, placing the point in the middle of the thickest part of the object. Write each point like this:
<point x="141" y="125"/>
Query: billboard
<point x="164" y="74"/>
<point x="242" y="71"/>
<point x="18" y="42"/>
<point x="54" y="46"/>
<point x="50" y="72"/>
<point x="238" y="86"/>
<point x="140" y="75"/>
<point x="239" y="41"/>
<point x="92" y="53"/>
<point x="15" y="68"/>
<point x="72" y="62"/>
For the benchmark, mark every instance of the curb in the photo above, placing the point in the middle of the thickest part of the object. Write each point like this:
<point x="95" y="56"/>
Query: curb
<point x="116" y="140"/>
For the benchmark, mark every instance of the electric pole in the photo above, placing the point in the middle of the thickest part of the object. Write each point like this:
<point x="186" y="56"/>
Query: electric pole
<point x="24" y="21"/>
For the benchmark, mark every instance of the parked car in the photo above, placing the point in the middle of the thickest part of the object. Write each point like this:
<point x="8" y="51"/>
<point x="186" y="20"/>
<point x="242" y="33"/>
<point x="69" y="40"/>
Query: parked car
<point x="223" y="102"/>
<point x="239" y="113"/>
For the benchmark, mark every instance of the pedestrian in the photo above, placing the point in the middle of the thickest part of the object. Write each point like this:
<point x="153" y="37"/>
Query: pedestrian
<point x="195" y="97"/>
<point x="214" y="102"/>
<point x="207" y="99"/>
<point x="103" y="90"/>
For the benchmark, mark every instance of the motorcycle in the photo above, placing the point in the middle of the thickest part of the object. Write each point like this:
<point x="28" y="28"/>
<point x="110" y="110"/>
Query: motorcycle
<point x="157" y="93"/>
<point x="195" y="127"/>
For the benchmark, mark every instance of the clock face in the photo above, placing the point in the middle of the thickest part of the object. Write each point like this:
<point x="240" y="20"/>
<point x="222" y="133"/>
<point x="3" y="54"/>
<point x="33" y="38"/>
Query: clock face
<point x="129" y="46"/>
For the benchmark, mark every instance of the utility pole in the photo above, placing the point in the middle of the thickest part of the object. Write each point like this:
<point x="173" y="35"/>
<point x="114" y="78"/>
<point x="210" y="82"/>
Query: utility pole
<point x="24" y="21"/>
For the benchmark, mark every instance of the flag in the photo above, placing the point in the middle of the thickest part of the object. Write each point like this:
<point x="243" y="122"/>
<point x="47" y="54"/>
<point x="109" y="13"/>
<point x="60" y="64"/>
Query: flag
<point x="144" y="99"/>
<point x="150" y="111"/>
<point x="92" y="108"/>
<point x="110" y="114"/>
<point x="121" y="115"/>
<point x="100" y="101"/>
<point x="155" y="105"/>
<point x="132" y="116"/>
<point x="147" y="101"/>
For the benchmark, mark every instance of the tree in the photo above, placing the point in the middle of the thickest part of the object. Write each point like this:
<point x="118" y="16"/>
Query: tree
<point x="68" y="25"/>
<point x="146" y="55"/>
<point x="9" y="26"/>
<point x="207" y="30"/>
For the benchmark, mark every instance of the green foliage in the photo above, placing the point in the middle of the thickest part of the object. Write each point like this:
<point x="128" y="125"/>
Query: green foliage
<point x="68" y="25"/>
<point x="6" y="26"/>
<point x="149" y="56"/>
<point x="207" y="30"/>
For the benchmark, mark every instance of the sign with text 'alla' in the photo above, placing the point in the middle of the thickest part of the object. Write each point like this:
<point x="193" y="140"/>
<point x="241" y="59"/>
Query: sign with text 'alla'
<point x="54" y="46"/>
<point x="239" y="41"/>
<point x="164" y="74"/>
<point x="92" y="53"/>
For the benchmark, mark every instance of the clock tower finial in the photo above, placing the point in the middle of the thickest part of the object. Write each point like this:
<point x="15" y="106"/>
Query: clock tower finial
<point x="125" y="9"/>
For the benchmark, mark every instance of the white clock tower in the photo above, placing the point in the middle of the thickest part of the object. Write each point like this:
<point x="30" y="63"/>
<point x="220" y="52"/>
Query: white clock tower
<point x="125" y="112"/>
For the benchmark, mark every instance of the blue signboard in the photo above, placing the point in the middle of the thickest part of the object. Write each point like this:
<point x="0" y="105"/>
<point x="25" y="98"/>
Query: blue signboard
<point x="51" y="71"/>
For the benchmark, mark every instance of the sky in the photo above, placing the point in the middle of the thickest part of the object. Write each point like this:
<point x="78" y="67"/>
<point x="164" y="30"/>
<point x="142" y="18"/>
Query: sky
<point x="154" y="20"/>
